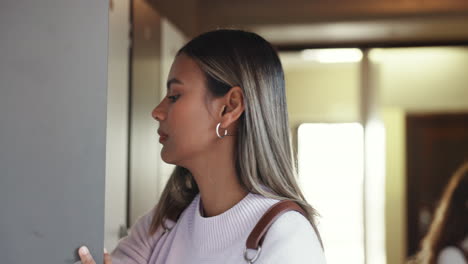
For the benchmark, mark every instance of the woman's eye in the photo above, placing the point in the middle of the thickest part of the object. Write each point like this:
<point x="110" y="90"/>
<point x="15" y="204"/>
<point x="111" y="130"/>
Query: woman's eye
<point x="173" y="98"/>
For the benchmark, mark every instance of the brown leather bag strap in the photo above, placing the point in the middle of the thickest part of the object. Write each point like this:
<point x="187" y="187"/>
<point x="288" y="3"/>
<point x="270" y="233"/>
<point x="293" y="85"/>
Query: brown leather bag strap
<point x="257" y="235"/>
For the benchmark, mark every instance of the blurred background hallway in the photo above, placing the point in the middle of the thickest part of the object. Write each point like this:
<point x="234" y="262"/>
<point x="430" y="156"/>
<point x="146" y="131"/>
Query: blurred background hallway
<point x="367" y="82"/>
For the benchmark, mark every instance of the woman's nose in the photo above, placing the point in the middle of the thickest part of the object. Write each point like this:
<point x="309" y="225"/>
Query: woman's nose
<point x="158" y="114"/>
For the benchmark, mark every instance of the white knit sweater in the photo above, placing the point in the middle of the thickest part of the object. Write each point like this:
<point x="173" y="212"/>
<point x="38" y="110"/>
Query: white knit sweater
<point x="196" y="239"/>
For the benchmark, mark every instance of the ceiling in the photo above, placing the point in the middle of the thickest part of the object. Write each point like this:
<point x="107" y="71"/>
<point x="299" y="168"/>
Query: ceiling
<point x="302" y="23"/>
<point x="376" y="33"/>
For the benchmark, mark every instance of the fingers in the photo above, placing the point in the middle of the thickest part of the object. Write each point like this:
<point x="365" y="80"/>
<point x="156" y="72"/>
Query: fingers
<point x="85" y="256"/>
<point x="107" y="257"/>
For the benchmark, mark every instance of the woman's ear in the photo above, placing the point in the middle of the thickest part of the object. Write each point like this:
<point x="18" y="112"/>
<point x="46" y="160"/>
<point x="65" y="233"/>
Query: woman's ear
<point x="233" y="106"/>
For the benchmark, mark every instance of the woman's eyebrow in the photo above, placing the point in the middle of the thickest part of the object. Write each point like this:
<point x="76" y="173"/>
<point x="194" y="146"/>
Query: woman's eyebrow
<point x="173" y="81"/>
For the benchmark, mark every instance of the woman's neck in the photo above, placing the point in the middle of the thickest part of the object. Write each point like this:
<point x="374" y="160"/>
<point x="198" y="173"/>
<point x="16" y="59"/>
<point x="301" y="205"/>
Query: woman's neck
<point x="220" y="189"/>
<point x="217" y="178"/>
<point x="216" y="201"/>
<point x="219" y="208"/>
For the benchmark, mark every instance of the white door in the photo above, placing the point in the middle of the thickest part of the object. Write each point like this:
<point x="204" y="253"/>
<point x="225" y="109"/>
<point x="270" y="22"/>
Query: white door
<point x="117" y="122"/>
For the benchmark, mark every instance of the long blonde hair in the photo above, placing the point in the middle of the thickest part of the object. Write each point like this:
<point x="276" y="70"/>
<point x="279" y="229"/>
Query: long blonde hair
<point x="264" y="156"/>
<point x="449" y="226"/>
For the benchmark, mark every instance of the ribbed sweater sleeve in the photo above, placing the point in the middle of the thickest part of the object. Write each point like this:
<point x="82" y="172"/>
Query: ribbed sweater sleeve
<point x="136" y="248"/>
<point x="291" y="239"/>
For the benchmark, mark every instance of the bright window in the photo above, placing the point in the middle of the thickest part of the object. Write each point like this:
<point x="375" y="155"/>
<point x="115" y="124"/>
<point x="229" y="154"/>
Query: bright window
<point x="331" y="160"/>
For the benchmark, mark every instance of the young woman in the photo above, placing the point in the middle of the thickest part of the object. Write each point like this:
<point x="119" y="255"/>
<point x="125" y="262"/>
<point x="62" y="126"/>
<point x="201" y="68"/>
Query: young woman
<point x="446" y="241"/>
<point x="224" y="123"/>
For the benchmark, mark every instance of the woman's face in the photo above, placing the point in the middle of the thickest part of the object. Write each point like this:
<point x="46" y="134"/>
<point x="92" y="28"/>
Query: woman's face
<point x="186" y="114"/>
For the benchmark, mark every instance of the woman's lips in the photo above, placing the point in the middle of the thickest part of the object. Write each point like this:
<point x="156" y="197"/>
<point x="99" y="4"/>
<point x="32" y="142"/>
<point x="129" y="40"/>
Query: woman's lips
<point x="162" y="139"/>
<point x="162" y="136"/>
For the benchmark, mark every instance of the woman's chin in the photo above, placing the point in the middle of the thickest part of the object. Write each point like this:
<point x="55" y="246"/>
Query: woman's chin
<point x="166" y="158"/>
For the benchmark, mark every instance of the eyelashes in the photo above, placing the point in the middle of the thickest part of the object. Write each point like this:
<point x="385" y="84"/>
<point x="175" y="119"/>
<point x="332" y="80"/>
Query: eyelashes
<point x="173" y="98"/>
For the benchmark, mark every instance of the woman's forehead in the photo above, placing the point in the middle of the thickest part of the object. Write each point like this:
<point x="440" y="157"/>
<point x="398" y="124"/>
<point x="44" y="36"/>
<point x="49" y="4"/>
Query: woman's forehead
<point x="185" y="73"/>
<point x="184" y="66"/>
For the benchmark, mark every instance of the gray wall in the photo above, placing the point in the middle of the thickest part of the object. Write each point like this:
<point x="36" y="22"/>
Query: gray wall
<point x="53" y="79"/>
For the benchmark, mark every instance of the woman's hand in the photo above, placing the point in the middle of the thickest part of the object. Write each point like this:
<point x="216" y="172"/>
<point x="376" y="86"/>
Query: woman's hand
<point x="86" y="257"/>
